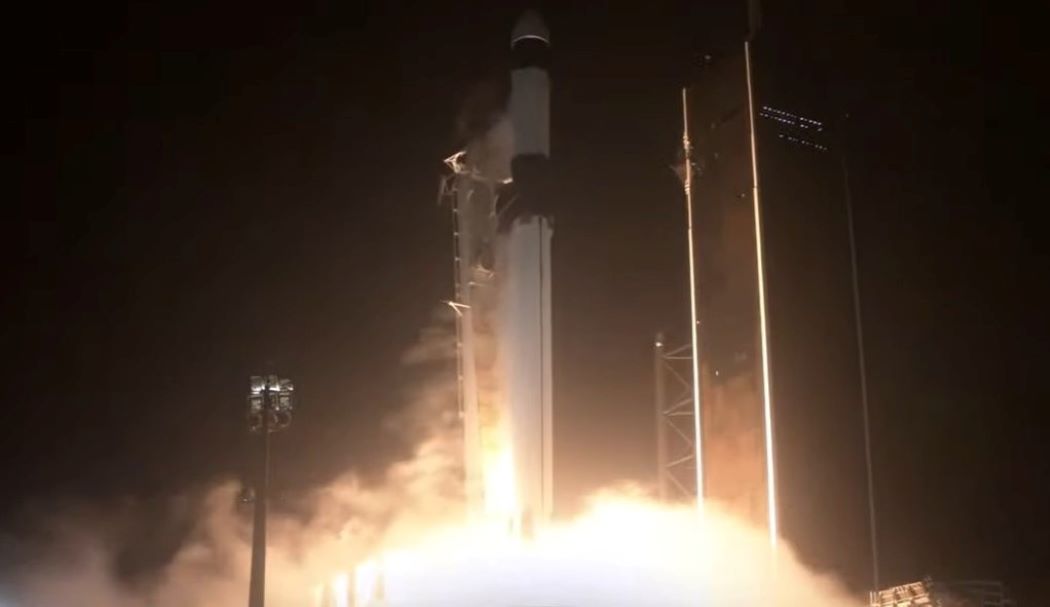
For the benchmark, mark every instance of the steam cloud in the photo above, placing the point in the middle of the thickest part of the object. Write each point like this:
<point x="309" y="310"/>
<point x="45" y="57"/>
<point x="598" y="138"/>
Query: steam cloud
<point x="624" y="551"/>
<point x="331" y="529"/>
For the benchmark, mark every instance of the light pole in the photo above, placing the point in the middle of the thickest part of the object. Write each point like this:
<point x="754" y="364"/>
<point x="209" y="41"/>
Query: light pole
<point x="270" y="407"/>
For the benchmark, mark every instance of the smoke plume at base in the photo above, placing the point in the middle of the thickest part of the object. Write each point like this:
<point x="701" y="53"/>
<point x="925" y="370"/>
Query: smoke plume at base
<point x="409" y="532"/>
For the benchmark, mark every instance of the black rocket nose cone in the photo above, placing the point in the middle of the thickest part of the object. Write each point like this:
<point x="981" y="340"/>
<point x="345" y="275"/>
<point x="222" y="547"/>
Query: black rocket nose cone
<point x="530" y="25"/>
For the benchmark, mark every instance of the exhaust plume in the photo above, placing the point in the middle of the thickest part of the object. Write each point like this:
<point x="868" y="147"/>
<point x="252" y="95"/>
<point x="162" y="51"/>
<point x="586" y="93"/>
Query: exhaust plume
<point x="408" y="536"/>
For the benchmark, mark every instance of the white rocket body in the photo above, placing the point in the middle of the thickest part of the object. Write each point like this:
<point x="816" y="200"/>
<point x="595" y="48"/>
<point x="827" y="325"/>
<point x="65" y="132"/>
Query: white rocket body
<point x="525" y="347"/>
<point x="503" y="297"/>
<point x="525" y="294"/>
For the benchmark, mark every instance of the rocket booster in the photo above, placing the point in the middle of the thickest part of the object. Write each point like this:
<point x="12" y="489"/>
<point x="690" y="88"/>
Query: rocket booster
<point x="525" y="229"/>
<point x="502" y="236"/>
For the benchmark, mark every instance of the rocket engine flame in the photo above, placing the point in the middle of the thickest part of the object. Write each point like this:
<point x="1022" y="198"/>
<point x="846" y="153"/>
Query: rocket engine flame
<point x="501" y="499"/>
<point x="625" y="551"/>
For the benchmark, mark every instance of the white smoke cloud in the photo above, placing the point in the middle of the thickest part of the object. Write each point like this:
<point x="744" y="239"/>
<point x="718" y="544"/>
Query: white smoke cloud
<point x="490" y="154"/>
<point x="624" y="551"/>
<point x="332" y="527"/>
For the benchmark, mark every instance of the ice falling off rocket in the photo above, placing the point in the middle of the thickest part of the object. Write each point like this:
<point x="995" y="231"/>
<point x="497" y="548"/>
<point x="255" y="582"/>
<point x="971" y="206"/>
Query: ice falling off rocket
<point x="502" y="234"/>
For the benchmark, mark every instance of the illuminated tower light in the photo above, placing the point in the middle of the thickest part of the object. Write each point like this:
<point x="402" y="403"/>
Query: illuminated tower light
<point x="270" y="406"/>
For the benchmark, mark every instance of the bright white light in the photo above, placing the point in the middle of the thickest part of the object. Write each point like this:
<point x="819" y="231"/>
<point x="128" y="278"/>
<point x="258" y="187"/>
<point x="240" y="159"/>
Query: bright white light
<point x="694" y="332"/>
<point x="771" y="488"/>
<point x="341" y="590"/>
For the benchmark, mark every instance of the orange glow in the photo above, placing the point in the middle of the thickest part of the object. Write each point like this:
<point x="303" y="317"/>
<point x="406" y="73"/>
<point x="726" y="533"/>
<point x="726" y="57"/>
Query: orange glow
<point x="501" y="496"/>
<point x="625" y="550"/>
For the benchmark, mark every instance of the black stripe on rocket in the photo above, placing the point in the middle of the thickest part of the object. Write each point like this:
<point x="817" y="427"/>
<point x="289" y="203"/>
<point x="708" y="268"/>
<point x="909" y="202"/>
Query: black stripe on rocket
<point x="529" y="111"/>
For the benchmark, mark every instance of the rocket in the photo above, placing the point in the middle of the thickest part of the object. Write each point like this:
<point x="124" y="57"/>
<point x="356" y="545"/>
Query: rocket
<point x="525" y="257"/>
<point x="500" y="196"/>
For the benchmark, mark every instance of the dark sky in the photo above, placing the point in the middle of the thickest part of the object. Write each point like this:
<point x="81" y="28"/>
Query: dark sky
<point x="210" y="190"/>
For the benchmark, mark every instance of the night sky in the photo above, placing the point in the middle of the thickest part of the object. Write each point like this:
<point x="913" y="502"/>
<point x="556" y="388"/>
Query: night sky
<point x="212" y="190"/>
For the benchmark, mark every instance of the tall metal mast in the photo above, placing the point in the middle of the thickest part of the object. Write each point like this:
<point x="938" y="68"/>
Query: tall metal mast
<point x="687" y="181"/>
<point x="767" y="379"/>
<point x="269" y="410"/>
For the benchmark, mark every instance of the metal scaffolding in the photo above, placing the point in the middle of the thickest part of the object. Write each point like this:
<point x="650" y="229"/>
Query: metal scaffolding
<point x="935" y="593"/>
<point x="675" y="445"/>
